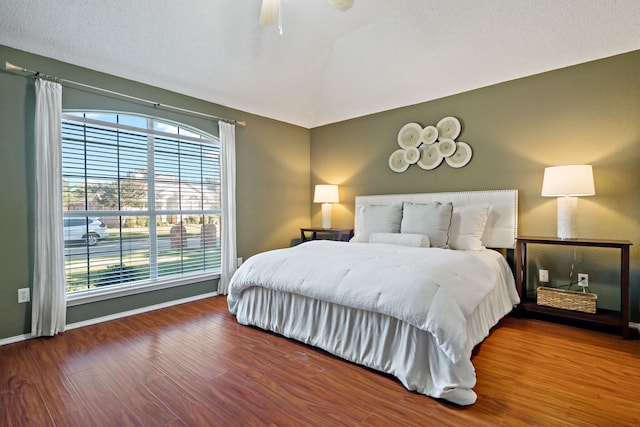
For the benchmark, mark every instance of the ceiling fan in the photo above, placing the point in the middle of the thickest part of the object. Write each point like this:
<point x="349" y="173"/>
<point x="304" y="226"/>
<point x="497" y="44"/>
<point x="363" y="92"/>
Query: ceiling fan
<point x="271" y="9"/>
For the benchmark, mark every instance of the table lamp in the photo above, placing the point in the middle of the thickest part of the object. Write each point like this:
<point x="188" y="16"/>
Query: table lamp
<point x="566" y="183"/>
<point x="326" y="194"/>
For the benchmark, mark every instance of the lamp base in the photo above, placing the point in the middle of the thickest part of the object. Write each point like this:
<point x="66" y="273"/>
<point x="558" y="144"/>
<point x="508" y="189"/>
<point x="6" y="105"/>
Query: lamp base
<point x="567" y="207"/>
<point x="326" y="215"/>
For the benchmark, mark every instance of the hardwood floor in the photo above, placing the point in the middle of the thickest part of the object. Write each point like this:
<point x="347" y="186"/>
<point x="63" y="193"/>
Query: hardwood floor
<point x="194" y="365"/>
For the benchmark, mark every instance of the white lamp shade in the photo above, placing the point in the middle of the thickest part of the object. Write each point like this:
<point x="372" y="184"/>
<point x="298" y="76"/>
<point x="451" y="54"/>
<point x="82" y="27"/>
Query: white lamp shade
<point x="566" y="183"/>
<point x="568" y="180"/>
<point x="326" y="194"/>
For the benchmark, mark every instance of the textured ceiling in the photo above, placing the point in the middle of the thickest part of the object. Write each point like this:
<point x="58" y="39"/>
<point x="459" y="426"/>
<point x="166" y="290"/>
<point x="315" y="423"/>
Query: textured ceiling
<point x="328" y="65"/>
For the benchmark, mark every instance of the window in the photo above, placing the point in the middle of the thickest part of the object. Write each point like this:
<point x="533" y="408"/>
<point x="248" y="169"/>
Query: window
<point x="141" y="202"/>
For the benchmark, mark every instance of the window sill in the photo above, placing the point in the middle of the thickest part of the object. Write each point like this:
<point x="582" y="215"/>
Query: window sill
<point x="117" y="291"/>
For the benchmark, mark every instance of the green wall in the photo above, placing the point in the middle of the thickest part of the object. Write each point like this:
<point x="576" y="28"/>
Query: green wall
<point x="272" y="179"/>
<point x="588" y="113"/>
<point x="583" y="114"/>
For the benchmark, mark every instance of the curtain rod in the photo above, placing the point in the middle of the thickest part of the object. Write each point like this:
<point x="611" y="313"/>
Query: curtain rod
<point x="10" y="67"/>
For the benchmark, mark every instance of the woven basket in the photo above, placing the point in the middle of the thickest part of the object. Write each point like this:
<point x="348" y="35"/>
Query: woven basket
<point x="568" y="300"/>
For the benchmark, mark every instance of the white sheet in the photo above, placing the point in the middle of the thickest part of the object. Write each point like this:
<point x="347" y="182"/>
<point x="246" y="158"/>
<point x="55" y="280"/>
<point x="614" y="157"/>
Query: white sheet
<point x="377" y="334"/>
<point x="369" y="339"/>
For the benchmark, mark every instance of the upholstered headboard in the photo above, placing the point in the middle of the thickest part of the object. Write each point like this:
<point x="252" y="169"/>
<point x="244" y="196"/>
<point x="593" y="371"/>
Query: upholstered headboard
<point x="501" y="228"/>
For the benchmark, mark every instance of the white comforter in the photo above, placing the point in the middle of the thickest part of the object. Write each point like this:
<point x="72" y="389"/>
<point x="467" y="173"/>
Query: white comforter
<point x="432" y="289"/>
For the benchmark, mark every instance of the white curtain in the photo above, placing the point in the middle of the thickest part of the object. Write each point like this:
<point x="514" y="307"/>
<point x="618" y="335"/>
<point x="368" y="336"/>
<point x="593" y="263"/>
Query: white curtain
<point x="48" y="305"/>
<point x="228" y="232"/>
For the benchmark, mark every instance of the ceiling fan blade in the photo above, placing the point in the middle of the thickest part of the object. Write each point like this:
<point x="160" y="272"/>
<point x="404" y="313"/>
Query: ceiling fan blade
<point x="269" y="11"/>
<point x="342" y="4"/>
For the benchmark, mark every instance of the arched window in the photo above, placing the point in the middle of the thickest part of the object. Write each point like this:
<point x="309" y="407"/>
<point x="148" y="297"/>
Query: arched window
<point x="142" y="202"/>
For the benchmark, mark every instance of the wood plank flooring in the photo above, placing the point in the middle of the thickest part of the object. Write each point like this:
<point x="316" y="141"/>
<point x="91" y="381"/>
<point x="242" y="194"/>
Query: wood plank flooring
<point x="194" y="365"/>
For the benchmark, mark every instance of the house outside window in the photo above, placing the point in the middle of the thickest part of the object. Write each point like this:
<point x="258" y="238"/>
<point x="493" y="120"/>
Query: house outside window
<point x="142" y="203"/>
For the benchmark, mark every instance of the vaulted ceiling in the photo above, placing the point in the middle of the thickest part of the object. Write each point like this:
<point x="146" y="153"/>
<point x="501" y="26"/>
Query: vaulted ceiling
<point x="328" y="65"/>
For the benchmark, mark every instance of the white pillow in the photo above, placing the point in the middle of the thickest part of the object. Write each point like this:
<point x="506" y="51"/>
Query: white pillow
<point x="377" y="219"/>
<point x="467" y="226"/>
<point x="408" y="239"/>
<point x="431" y="219"/>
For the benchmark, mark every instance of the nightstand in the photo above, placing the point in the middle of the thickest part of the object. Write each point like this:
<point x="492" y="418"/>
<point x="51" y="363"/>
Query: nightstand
<point x="609" y="318"/>
<point x="338" y="234"/>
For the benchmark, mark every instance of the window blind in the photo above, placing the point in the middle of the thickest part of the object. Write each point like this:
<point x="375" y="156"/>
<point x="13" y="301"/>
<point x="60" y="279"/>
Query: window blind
<point x="141" y="200"/>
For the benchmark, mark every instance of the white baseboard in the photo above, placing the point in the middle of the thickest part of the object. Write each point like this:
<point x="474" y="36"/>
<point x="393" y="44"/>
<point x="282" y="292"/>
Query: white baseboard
<point x="17" y="338"/>
<point x="634" y="325"/>
<point x="11" y="340"/>
<point x="137" y="311"/>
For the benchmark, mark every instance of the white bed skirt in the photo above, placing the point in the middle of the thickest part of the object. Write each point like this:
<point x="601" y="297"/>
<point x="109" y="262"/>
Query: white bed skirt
<point x="377" y="341"/>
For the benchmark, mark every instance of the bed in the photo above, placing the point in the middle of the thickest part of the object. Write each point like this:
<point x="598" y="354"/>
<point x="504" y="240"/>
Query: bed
<point x="414" y="291"/>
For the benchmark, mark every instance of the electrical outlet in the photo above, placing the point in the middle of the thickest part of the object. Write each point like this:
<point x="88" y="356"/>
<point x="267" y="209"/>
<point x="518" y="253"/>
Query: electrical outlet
<point x="583" y="280"/>
<point x="543" y="276"/>
<point x="23" y="295"/>
<point x="239" y="262"/>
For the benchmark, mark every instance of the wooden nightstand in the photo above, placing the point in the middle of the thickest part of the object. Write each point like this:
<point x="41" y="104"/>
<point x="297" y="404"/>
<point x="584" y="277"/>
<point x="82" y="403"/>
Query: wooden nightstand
<point x="338" y="234"/>
<point x="609" y="318"/>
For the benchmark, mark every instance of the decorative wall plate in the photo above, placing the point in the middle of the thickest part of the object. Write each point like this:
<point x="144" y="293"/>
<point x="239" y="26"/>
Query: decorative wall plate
<point x="461" y="157"/>
<point x="429" y="134"/>
<point x="397" y="163"/>
<point x="446" y="147"/>
<point x="410" y="135"/>
<point x="411" y="155"/>
<point x="449" y="127"/>
<point x="430" y="157"/>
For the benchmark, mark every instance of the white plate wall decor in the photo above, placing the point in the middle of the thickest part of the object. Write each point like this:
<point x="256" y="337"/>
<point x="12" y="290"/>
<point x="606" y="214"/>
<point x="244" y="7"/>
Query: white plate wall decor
<point x="430" y="157"/>
<point x="410" y="135"/>
<point x="461" y="157"/>
<point x="397" y="163"/>
<point x="411" y="155"/>
<point x="429" y="146"/>
<point x="429" y="134"/>
<point x="449" y="127"/>
<point x="446" y="147"/>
